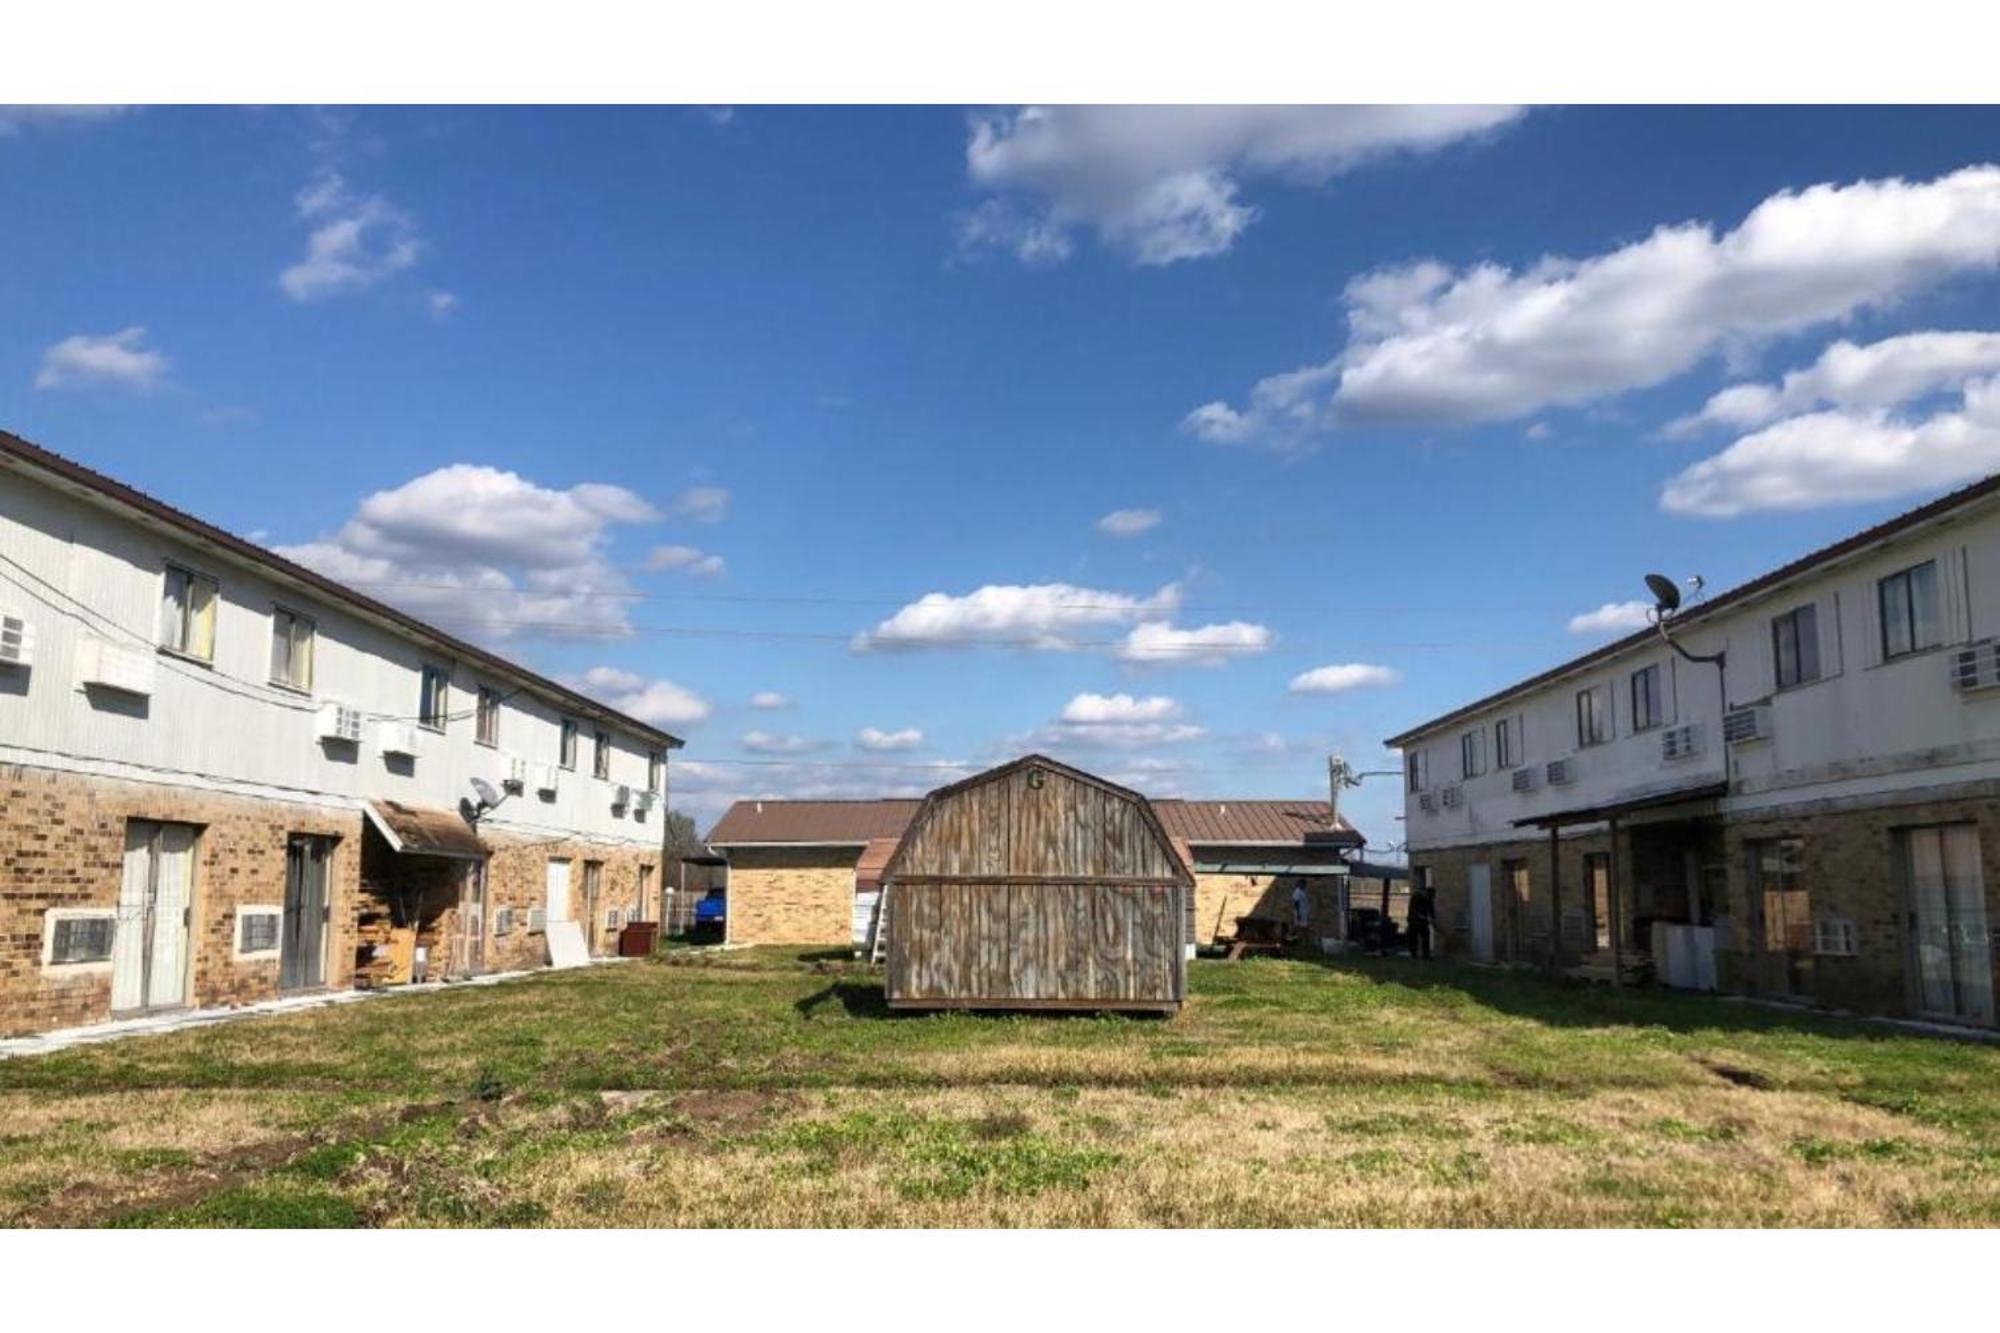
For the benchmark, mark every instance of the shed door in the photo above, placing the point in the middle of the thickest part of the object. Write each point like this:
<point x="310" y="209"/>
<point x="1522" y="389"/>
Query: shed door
<point x="1479" y="903"/>
<point x="558" y="891"/>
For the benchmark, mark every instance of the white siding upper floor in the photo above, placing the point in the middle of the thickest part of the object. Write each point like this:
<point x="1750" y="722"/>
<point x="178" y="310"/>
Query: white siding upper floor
<point x="1860" y="708"/>
<point x="90" y="577"/>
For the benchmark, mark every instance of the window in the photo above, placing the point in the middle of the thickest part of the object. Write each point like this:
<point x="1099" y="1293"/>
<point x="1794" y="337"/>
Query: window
<point x="431" y="701"/>
<point x="79" y="937"/>
<point x="257" y="930"/>
<point x="1909" y="610"/>
<point x="1646" y="712"/>
<point x="1835" y="937"/>
<point x="1506" y="744"/>
<point x="1795" y="646"/>
<point x="1593" y="715"/>
<point x="600" y="760"/>
<point x="489" y="716"/>
<point x="1419" y="770"/>
<point x="656" y="770"/>
<point x="291" y="650"/>
<point x="568" y="753"/>
<point x="187" y="614"/>
<point x="1469" y="765"/>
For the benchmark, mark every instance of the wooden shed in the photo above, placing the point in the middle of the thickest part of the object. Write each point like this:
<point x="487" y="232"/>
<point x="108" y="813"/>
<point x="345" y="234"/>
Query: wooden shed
<point x="1037" y="886"/>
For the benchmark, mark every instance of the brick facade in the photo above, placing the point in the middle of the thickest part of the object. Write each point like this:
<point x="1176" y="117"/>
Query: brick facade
<point x="791" y="895"/>
<point x="62" y="841"/>
<point x="1221" y="897"/>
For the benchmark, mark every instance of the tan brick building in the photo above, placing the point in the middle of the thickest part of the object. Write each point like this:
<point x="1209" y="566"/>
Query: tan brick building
<point x="225" y="778"/>
<point x="806" y="872"/>
<point x="1788" y="790"/>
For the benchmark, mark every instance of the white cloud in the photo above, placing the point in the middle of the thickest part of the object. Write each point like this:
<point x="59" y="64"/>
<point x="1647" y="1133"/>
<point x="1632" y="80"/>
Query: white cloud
<point x="1128" y="522"/>
<point x="16" y="119"/>
<point x="1208" y="645"/>
<point x="355" y="242"/>
<point x="1877" y="375"/>
<point x="1842" y="457"/>
<point x="659" y="702"/>
<point x="1116" y="721"/>
<point x="707" y="788"/>
<point x="874" y="738"/>
<point x="531" y="553"/>
<point x="1430" y="344"/>
<point x="119" y="358"/>
<point x="689" y="558"/>
<point x="764" y="742"/>
<point x="1343" y="676"/>
<point x="1160" y="183"/>
<point x="1613" y="618"/>
<point x="703" y="504"/>
<point x="1041" y="615"/>
<point x="769" y="699"/>
<point x="441" y="304"/>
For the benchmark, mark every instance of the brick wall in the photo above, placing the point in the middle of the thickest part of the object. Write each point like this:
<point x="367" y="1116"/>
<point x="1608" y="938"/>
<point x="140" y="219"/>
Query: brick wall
<point x="1520" y="930"/>
<point x="791" y="895"/>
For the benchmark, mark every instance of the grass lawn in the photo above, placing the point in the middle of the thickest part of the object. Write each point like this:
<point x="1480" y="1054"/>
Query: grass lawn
<point x="769" y="1088"/>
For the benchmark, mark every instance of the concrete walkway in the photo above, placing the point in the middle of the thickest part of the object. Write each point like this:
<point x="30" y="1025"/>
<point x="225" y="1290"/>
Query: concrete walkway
<point x="182" y="1019"/>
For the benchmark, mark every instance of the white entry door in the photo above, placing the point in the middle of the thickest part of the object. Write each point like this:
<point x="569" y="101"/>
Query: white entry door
<point x="149" y="950"/>
<point x="1954" y="959"/>
<point x="558" y="891"/>
<point x="1479" y="909"/>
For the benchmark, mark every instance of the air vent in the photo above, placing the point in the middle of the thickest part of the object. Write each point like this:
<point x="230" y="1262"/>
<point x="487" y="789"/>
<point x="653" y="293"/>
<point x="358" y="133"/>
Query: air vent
<point x="397" y="738"/>
<point x="1427" y="802"/>
<point x="17" y="642"/>
<point x="1561" y="772"/>
<point x="1976" y="667"/>
<point x="339" y="722"/>
<point x="547" y="776"/>
<point x="1740" y="726"/>
<point x="517" y="774"/>
<point x="538" y="920"/>
<point x="614" y="918"/>
<point x="503" y="921"/>
<point x="113" y="666"/>
<point x="1524" y="779"/>
<point x="1454" y="797"/>
<point x="1682" y="742"/>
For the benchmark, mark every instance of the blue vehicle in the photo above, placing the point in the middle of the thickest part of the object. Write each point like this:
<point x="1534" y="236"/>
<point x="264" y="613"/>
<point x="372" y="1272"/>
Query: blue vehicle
<point x="711" y="912"/>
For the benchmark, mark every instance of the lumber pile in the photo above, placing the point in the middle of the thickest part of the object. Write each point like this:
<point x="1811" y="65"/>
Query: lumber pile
<point x="384" y="954"/>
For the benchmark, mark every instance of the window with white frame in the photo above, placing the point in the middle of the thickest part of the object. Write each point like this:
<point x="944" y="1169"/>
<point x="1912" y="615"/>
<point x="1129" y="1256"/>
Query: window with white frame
<point x="1593" y="715"/>
<point x="291" y="650"/>
<point x="489" y="716"/>
<point x="568" y="751"/>
<point x="1506" y="743"/>
<point x="433" y="697"/>
<point x="1835" y="937"/>
<point x="1795" y="646"/>
<point x="1909" y="605"/>
<point x="257" y="931"/>
<point x="78" y="937"/>
<point x="600" y="760"/>
<point x="1646" y="709"/>
<point x="187" y="614"/>
<point x="1470" y="758"/>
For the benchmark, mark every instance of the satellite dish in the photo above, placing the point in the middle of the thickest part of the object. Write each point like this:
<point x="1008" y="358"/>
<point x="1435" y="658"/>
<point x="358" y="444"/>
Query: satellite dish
<point x="483" y="790"/>
<point x="1666" y="593"/>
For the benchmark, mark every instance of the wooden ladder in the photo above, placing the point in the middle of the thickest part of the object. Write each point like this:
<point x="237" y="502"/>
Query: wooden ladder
<point x="878" y="950"/>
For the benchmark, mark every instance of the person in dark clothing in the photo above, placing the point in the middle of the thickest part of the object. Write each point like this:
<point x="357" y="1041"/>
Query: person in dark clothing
<point x="1423" y="911"/>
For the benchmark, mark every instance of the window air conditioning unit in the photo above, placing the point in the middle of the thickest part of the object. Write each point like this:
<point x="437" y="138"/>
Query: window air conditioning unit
<point x="1454" y="797"/>
<point x="517" y="774"/>
<point x="1427" y="802"/>
<point x="1561" y="772"/>
<point x="397" y="738"/>
<point x="1974" y="667"/>
<point x="1680" y="742"/>
<point x="503" y="921"/>
<point x="546" y="777"/>
<point x="1524" y="779"/>
<point x="1740" y="726"/>
<point x="113" y="666"/>
<point x="647" y="799"/>
<point x="538" y="920"/>
<point x="17" y="642"/>
<point x="340" y="722"/>
<point x="621" y="797"/>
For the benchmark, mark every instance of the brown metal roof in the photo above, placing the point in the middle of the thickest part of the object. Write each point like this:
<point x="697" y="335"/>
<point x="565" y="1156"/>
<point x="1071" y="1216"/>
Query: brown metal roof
<point x="1939" y="508"/>
<point x="812" y="822"/>
<point x="874" y="857"/>
<point x="108" y="488"/>
<point x="416" y="830"/>
<point x="853" y="823"/>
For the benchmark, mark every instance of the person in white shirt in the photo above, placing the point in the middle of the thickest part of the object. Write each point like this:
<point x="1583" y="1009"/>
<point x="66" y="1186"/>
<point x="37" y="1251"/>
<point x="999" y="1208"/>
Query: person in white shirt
<point x="1301" y="908"/>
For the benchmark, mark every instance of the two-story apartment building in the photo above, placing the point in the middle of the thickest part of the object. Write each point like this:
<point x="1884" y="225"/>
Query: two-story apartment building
<point x="224" y="777"/>
<point x="1810" y="813"/>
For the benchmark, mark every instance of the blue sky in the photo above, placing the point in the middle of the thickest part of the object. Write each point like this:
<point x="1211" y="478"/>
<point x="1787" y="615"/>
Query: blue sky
<point x="693" y="405"/>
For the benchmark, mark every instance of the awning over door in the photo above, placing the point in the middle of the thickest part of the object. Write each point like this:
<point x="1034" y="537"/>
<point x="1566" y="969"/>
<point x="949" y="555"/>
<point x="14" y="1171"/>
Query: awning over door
<point x="1593" y="814"/>
<point x="418" y="831"/>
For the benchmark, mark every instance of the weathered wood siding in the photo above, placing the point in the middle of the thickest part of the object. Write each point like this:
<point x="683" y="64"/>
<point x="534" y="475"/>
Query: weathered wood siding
<point x="1034" y="887"/>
